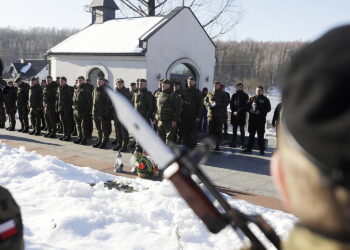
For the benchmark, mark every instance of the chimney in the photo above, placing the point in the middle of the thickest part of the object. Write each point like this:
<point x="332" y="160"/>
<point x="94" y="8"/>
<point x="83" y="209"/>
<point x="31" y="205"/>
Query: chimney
<point x="103" y="10"/>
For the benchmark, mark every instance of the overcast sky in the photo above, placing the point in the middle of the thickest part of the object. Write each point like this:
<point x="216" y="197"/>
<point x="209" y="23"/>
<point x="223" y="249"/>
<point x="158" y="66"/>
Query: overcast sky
<point x="275" y="20"/>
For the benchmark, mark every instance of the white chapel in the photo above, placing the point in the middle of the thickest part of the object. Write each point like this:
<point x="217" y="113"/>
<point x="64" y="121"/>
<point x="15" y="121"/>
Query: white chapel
<point x="174" y="46"/>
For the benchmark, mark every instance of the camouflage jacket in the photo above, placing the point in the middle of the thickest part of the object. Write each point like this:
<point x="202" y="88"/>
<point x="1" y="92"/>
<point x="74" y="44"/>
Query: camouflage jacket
<point x="193" y="104"/>
<point x="221" y="101"/>
<point x="82" y="100"/>
<point x="64" y="98"/>
<point x="10" y="98"/>
<point x="143" y="102"/>
<point x="36" y="97"/>
<point x="169" y="106"/>
<point x="22" y="95"/>
<point x="102" y="104"/>
<point x="49" y="95"/>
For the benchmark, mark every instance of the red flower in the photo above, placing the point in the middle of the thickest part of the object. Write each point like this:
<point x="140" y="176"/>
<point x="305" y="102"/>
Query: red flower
<point x="141" y="166"/>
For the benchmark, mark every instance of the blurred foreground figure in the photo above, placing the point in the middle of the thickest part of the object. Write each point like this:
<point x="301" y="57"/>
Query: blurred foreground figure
<point x="312" y="164"/>
<point x="11" y="227"/>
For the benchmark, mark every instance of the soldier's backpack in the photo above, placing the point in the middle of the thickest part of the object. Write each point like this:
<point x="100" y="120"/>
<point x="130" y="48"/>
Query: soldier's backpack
<point x="11" y="227"/>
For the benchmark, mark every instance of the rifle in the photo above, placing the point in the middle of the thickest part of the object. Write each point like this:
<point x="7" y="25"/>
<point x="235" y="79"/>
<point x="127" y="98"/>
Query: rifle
<point x="178" y="168"/>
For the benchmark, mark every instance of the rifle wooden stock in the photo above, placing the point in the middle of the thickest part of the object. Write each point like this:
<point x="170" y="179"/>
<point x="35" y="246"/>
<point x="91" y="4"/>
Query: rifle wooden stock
<point x="195" y="198"/>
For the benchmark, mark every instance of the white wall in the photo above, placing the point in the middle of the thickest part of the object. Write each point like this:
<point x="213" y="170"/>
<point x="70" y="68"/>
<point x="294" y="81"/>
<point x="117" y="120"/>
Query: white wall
<point x="181" y="39"/>
<point x="129" y="68"/>
<point x="43" y="73"/>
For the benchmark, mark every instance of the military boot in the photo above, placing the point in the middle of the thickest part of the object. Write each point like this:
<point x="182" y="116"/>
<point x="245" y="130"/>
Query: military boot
<point x="103" y="144"/>
<point x="26" y="130"/>
<point x="67" y="138"/>
<point x="77" y="141"/>
<point x="98" y="143"/>
<point x="83" y="141"/>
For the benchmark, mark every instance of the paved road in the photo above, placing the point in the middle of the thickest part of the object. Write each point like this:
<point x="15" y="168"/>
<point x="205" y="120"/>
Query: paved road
<point x="228" y="168"/>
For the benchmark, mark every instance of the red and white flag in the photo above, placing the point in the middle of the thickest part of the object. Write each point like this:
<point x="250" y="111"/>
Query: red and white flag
<point x="8" y="229"/>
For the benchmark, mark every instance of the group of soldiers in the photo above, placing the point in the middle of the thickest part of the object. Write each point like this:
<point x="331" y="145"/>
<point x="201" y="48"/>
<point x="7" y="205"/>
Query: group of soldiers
<point x="175" y="112"/>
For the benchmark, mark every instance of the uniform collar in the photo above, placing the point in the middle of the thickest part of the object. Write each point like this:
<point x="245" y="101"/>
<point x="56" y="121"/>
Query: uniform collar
<point x="303" y="237"/>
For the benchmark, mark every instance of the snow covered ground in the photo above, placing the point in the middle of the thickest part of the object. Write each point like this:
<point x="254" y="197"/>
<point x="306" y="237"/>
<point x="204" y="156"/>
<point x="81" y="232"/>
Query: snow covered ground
<point x="61" y="210"/>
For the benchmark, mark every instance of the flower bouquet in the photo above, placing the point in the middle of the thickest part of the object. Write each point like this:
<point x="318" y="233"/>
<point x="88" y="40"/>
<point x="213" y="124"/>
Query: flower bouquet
<point x="143" y="165"/>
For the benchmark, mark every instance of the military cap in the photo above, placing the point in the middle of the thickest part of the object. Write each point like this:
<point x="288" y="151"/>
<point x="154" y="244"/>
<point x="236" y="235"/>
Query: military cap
<point x="81" y="77"/>
<point x="143" y="80"/>
<point x="33" y="78"/>
<point x="316" y="106"/>
<point x="119" y="80"/>
<point x="63" y="78"/>
<point x="132" y="84"/>
<point x="190" y="78"/>
<point x="166" y="81"/>
<point x="18" y="79"/>
<point x="217" y="82"/>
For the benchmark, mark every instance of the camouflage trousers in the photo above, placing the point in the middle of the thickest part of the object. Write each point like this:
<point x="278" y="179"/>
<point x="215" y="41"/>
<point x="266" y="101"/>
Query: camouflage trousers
<point x="50" y="119"/>
<point x="104" y="127"/>
<point x="35" y="118"/>
<point x="2" y="115"/>
<point x="67" y="121"/>
<point x="189" y="133"/>
<point x="122" y="134"/>
<point x="23" y="116"/>
<point x="82" y="124"/>
<point x="11" y="112"/>
<point x="166" y="131"/>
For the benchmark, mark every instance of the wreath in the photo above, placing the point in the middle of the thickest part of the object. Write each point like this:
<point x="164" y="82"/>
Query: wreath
<point x="144" y="165"/>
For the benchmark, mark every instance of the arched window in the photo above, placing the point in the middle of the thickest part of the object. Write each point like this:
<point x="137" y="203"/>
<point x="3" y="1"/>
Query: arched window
<point x="94" y="73"/>
<point x="181" y="72"/>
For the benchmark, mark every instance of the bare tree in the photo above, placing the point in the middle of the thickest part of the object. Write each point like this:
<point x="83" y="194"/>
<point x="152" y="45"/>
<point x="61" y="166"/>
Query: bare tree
<point x="217" y="16"/>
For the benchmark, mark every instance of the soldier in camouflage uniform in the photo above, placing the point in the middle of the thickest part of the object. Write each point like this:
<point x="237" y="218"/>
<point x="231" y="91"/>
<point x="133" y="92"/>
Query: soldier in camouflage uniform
<point x="143" y="103"/>
<point x="35" y="105"/>
<point x="122" y="134"/>
<point x="90" y="120"/>
<point x="49" y="98"/>
<point x="169" y="106"/>
<point x="43" y="117"/>
<point x="64" y="106"/>
<point x="215" y="102"/>
<point x="10" y="99"/>
<point x="191" y="114"/>
<point x="102" y="110"/>
<point x="2" y="109"/>
<point x="82" y="105"/>
<point x="22" y="104"/>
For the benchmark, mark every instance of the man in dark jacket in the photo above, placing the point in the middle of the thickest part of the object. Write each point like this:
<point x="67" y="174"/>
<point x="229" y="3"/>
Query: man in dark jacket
<point x="215" y="102"/>
<point x="258" y="106"/>
<point x="122" y="135"/>
<point x="10" y="99"/>
<point x="238" y="105"/>
<point x="49" y="98"/>
<point x="191" y="113"/>
<point x="35" y="105"/>
<point x="64" y="106"/>
<point x="82" y="106"/>
<point x="169" y="106"/>
<point x="22" y="104"/>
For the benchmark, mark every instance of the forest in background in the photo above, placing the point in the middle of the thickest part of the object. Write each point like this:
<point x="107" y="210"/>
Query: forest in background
<point x="252" y="62"/>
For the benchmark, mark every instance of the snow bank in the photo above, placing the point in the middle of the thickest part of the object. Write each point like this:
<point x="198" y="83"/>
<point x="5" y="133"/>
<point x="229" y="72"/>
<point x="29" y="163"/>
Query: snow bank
<point x="61" y="210"/>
